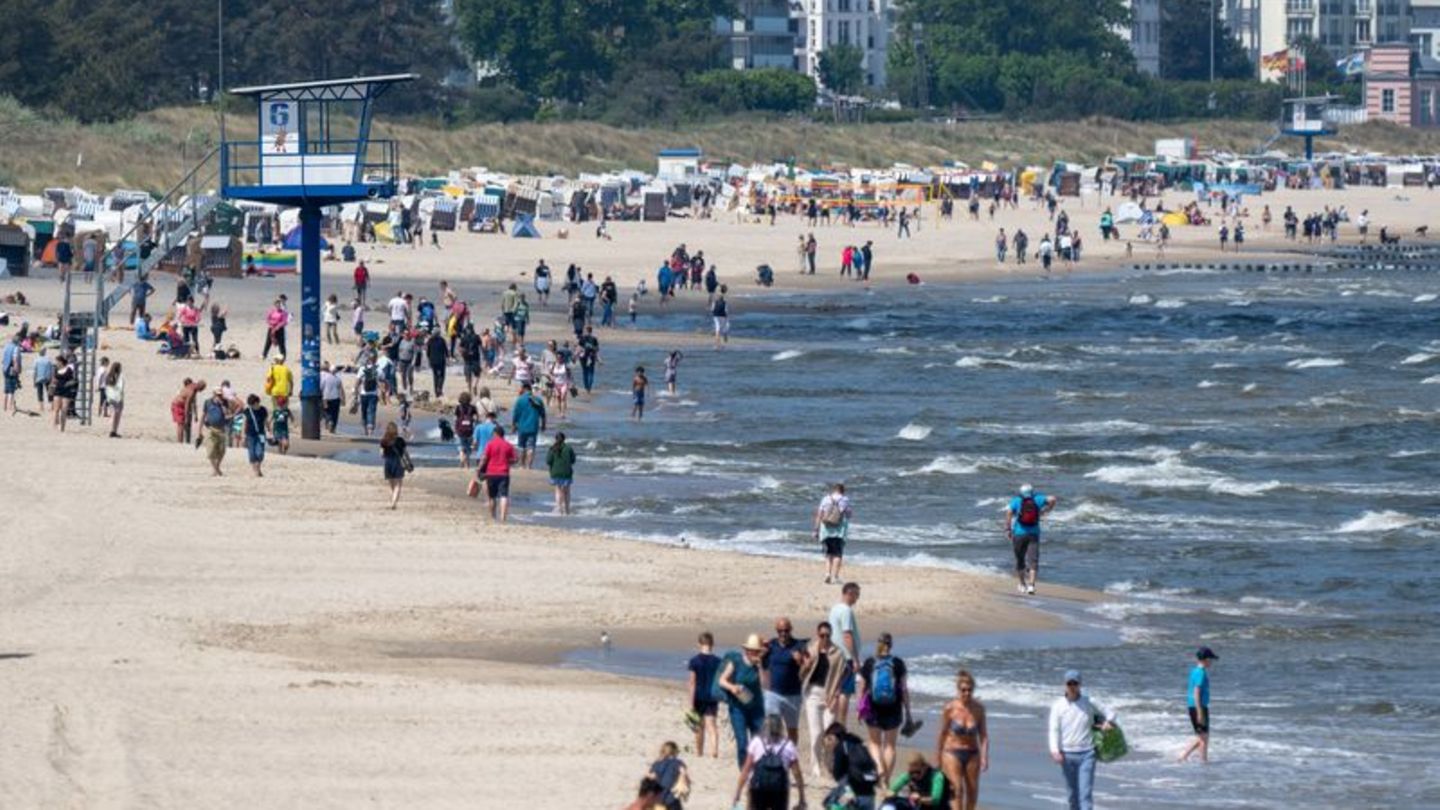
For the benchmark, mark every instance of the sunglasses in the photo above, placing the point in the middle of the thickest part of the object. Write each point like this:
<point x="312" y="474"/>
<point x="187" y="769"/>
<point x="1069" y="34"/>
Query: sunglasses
<point x="783" y="631"/>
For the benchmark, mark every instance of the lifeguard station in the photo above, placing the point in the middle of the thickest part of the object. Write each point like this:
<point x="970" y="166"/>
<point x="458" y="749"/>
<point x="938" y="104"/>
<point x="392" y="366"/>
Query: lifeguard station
<point x="313" y="150"/>
<point x="1306" y="118"/>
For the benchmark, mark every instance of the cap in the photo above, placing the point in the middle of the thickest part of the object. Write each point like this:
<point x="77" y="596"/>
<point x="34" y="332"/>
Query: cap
<point x="753" y="642"/>
<point x="1206" y="654"/>
<point x="1073" y="675"/>
<point x="1026" y="489"/>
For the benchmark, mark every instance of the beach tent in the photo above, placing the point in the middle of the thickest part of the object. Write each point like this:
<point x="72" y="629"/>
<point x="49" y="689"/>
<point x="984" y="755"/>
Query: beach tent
<point x="292" y="240"/>
<point x="525" y="228"/>
<point x="383" y="233"/>
<point x="1128" y="212"/>
<point x="1175" y="218"/>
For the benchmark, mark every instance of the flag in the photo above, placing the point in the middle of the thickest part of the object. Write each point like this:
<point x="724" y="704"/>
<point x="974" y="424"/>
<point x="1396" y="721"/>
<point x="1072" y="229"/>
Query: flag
<point x="1352" y="65"/>
<point x="1275" y="61"/>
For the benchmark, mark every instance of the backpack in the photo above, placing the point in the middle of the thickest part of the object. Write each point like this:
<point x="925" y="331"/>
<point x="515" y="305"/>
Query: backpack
<point x="883" y="689"/>
<point x="1029" y="515"/>
<point x="214" y="414"/>
<point x="831" y="515"/>
<point x="464" y="421"/>
<point x="861" y="770"/>
<point x="769" y="775"/>
<point x="368" y="378"/>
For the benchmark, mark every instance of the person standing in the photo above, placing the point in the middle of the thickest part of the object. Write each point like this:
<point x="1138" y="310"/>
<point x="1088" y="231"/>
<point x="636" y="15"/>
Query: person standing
<point x="332" y="320"/>
<point x="703" y="667"/>
<point x="783" y="659"/>
<point x="542" y="283"/>
<point x="963" y="746"/>
<point x="560" y="461"/>
<point x="397" y="460"/>
<point x="832" y="526"/>
<point x="720" y="312"/>
<point x="811" y="248"/>
<point x="740" y="682"/>
<point x="436" y="354"/>
<point x="279" y="382"/>
<point x="275" y="321"/>
<point x="638" y="384"/>
<point x="399" y="307"/>
<point x="114" y="387"/>
<point x="362" y="282"/>
<point x="767" y="766"/>
<point x="215" y="419"/>
<point x="1001" y="243"/>
<point x="67" y="385"/>
<point x="495" y="461"/>
<point x="218" y="323"/>
<point x="11" y="367"/>
<point x="1022" y="526"/>
<point x="332" y="394"/>
<point x="672" y="370"/>
<point x="589" y="356"/>
<point x="466" y="417"/>
<point x="527" y="419"/>
<point x="903" y="231"/>
<point x="1197" y="703"/>
<point x="847" y="637"/>
<point x="1072" y="741"/>
<point x="867" y="255"/>
<point x="508" y="301"/>
<point x="44" y="372"/>
<point x="821" y="674"/>
<point x="256" y="418"/>
<point x="367" y="393"/>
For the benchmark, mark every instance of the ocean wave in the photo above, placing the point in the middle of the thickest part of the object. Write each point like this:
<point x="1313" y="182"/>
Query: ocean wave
<point x="914" y="432"/>
<point x="1206" y="384"/>
<point x="1170" y="303"/>
<point x="1418" y="358"/>
<point x="1108" y="427"/>
<point x="1315" y="362"/>
<point x="893" y="350"/>
<point x="1424" y="298"/>
<point x="1171" y="473"/>
<point x="945" y="465"/>
<point x="788" y="354"/>
<point x="994" y="299"/>
<point x="1140" y="299"/>
<point x="973" y="361"/>
<point x="1431" y="380"/>
<point x="1377" y="523"/>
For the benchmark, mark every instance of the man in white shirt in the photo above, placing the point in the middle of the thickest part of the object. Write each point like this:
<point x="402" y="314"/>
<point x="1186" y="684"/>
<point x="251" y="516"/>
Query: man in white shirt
<point x="832" y="525"/>
<point x="1072" y="743"/>
<point x="332" y="393"/>
<point x="847" y="638"/>
<point x="399" y="312"/>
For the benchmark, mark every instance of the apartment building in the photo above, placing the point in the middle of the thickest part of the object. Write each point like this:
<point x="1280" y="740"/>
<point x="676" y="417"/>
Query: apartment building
<point x="1342" y="26"/>
<point x="764" y="35"/>
<point x="866" y="24"/>
<point x="1144" y="34"/>
<point x="1425" y="27"/>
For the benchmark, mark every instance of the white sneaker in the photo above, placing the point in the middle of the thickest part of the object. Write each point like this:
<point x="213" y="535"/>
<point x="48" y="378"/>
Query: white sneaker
<point x="1020" y="589"/>
<point x="1030" y="590"/>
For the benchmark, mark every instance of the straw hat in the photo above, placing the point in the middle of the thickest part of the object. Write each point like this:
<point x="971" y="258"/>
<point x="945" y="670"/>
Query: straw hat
<point x="753" y="643"/>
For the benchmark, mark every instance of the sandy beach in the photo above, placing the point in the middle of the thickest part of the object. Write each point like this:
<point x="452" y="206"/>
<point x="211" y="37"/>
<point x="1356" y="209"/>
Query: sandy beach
<point x="173" y="640"/>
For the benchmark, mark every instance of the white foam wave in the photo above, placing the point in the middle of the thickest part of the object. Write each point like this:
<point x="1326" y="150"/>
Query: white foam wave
<point x="1425" y="298"/>
<point x="1377" y="522"/>
<point x="1206" y="384"/>
<point x="972" y="361"/>
<point x="893" y="350"/>
<point x="1315" y="362"/>
<point x="1169" y="303"/>
<point x="914" y="432"/>
<point x="946" y="465"/>
<point x="788" y="354"/>
<point x="1418" y="358"/>
<point x="1431" y="380"/>
<point x="1250" y="387"/>
<point x="1171" y="473"/>
<point x="1140" y="299"/>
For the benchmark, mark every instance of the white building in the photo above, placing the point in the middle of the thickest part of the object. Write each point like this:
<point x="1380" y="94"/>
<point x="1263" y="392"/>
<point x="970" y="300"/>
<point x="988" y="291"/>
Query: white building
<point x="1425" y="28"/>
<point x="1144" y="34"/>
<point x="1341" y="26"/>
<point x="865" y="24"/>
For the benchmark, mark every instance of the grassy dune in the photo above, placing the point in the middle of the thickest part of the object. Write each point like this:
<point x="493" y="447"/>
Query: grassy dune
<point x="146" y="152"/>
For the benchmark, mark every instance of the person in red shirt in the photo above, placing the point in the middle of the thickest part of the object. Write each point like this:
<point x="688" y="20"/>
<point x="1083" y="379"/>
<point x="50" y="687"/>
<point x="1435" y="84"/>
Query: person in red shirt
<point x="362" y="281"/>
<point x="494" y="467"/>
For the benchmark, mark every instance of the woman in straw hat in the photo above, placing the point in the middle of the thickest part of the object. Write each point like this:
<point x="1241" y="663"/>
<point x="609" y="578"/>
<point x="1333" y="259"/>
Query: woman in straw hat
<point x="740" y="681"/>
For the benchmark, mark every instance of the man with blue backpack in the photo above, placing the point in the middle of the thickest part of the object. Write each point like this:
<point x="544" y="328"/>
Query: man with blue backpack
<point x="1022" y="526"/>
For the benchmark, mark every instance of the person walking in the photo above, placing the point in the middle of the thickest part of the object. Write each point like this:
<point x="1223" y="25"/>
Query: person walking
<point x="1072" y="741"/>
<point x="703" y="668"/>
<point x="467" y="416"/>
<point x="67" y="385"/>
<point x="638" y="384"/>
<point x="367" y="393"/>
<point x="332" y="394"/>
<point x="527" y="420"/>
<point x="560" y="461"/>
<point x="589" y="356"/>
<point x="11" y="368"/>
<point x="362" y="283"/>
<point x="496" y="459"/>
<point x="215" y="418"/>
<point x="867" y="257"/>
<point x="219" y="323"/>
<point x="279" y="382"/>
<point x="275" y="321"/>
<point x="847" y="637"/>
<point x="256" y="418"/>
<point x="1022" y="526"/>
<point x="832" y="526"/>
<point x="821" y="675"/>
<point x="114" y="387"/>
<point x="963" y="745"/>
<point x="44" y="376"/>
<point x="1197" y="703"/>
<point x="397" y="460"/>
<point x="720" y="312"/>
<point x="739" y="681"/>
<point x="436" y="354"/>
<point x="885" y="702"/>
<point x="770" y="762"/>
<point x="783" y="659"/>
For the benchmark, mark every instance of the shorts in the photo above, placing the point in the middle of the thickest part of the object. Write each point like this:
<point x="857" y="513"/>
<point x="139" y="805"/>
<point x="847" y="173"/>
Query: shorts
<point x="215" y="443"/>
<point x="12" y="383"/>
<point x="1027" y="551"/>
<point x="787" y="706"/>
<point x="497" y="486"/>
<point x="847" y="683"/>
<point x="886" y="718"/>
<point x="527" y="441"/>
<point x="561" y="482"/>
<point x="834" y="546"/>
<point x="705" y="708"/>
<point x="722" y="326"/>
<point x="639" y="398"/>
<point x="255" y="448"/>
<point x="1199" y="727"/>
<point x="465" y="444"/>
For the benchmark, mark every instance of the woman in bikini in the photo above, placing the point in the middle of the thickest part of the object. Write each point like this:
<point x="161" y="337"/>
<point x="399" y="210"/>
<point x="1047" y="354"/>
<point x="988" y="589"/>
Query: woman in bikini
<point x="964" y="743"/>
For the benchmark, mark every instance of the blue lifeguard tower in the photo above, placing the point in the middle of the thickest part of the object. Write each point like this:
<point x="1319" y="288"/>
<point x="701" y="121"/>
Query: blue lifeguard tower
<point x="313" y="150"/>
<point x="1307" y="118"/>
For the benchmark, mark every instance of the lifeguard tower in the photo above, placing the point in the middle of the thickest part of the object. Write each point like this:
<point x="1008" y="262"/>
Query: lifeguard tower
<point x="1305" y="118"/>
<point x="313" y="149"/>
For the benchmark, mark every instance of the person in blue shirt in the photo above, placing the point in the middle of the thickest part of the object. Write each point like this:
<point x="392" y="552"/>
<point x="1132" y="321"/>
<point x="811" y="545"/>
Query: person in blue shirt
<point x="1197" y="703"/>
<point x="527" y="419"/>
<point x="11" y="367"/>
<point x="1022" y="526"/>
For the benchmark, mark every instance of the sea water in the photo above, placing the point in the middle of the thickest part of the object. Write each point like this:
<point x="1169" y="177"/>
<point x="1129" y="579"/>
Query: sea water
<point x="1244" y="461"/>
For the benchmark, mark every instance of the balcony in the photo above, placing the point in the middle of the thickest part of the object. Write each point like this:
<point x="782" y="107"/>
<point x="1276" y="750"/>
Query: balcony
<point x="1300" y="8"/>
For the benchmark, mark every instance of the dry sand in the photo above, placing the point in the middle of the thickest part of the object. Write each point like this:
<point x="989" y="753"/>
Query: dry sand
<point x="173" y="640"/>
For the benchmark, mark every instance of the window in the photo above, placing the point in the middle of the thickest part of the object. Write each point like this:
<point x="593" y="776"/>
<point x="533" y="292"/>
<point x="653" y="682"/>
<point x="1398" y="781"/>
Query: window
<point x="1427" y="115"/>
<point x="845" y="32"/>
<point x="1387" y="101"/>
<point x="1362" y="31"/>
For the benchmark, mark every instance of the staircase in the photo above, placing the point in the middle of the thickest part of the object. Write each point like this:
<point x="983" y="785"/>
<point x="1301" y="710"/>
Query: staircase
<point x="169" y="222"/>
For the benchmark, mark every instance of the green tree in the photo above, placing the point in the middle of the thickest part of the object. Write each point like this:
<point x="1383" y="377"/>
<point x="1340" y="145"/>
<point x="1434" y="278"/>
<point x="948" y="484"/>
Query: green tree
<point x="1185" y="43"/>
<point x="841" y="68"/>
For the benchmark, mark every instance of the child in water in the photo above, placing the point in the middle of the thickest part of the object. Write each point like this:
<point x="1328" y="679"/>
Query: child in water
<point x="638" y="384"/>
